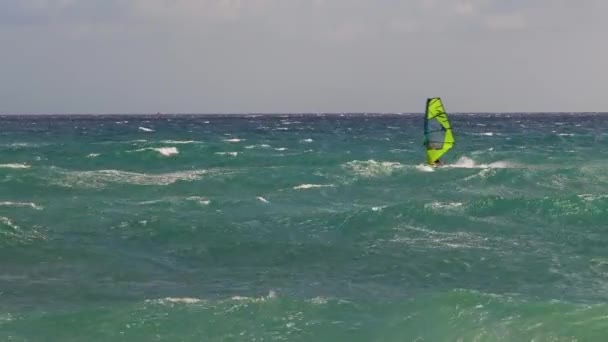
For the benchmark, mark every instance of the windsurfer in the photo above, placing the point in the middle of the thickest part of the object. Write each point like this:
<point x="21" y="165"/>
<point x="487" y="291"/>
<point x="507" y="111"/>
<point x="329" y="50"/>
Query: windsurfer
<point x="436" y="163"/>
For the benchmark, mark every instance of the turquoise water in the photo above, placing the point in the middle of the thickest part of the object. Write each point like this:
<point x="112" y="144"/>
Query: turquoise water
<point x="303" y="228"/>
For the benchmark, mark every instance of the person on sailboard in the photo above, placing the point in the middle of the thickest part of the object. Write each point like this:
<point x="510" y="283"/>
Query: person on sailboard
<point x="436" y="163"/>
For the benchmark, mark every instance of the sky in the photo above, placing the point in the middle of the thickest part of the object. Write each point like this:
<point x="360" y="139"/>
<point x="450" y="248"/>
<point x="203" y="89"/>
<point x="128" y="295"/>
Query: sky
<point x="293" y="56"/>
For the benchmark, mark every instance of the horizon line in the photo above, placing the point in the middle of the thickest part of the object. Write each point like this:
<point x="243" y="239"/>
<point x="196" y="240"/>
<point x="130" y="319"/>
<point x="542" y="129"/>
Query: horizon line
<point x="296" y="113"/>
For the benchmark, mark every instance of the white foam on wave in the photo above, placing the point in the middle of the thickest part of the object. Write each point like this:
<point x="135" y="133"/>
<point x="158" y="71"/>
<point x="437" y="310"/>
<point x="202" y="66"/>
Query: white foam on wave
<point x="372" y="168"/>
<point x="7" y="317"/>
<point x="443" y="205"/>
<point x="22" y="144"/>
<point x="271" y="295"/>
<point x="281" y="148"/>
<point x="194" y="300"/>
<point x="468" y="163"/>
<point x="233" y="154"/>
<point x="163" y="151"/>
<point x="20" y="205"/>
<point x="312" y="186"/>
<point x="145" y="129"/>
<point x="9" y="223"/>
<point x="100" y="178"/>
<point x="308" y="140"/>
<point x="287" y="122"/>
<point x="199" y="200"/>
<point x="484" y="173"/>
<point x="425" y="168"/>
<point x="428" y="238"/>
<point x="14" y="166"/>
<point x="590" y="197"/>
<point x="318" y="300"/>
<point x="16" y="232"/>
<point x="180" y="142"/>
<point x="166" y="151"/>
<point x="175" y="300"/>
<point x="234" y="140"/>
<point x="92" y="155"/>
<point x="262" y="199"/>
<point x="258" y="146"/>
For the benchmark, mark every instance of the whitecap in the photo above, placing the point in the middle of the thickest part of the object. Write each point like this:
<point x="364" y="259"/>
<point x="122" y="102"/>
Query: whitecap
<point x="262" y="199"/>
<point x="234" y="154"/>
<point x="99" y="178"/>
<point x="372" y="168"/>
<point x="6" y="317"/>
<point x="164" y="151"/>
<point x="308" y="140"/>
<point x="312" y="186"/>
<point x="271" y="295"/>
<point x="20" y="205"/>
<point x="425" y="168"/>
<point x="318" y="300"/>
<point x="200" y="200"/>
<point x="180" y="142"/>
<point x="233" y="140"/>
<point x="484" y="173"/>
<point x="590" y="197"/>
<point x="258" y="146"/>
<point x="92" y="155"/>
<point x="145" y="129"/>
<point x="468" y="163"/>
<point x="22" y="144"/>
<point x="427" y="238"/>
<point x="443" y="205"/>
<point x="175" y="300"/>
<point x="8" y="222"/>
<point x="14" y="166"/>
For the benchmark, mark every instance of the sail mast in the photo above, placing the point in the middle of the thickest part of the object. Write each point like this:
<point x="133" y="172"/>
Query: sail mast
<point x="438" y="137"/>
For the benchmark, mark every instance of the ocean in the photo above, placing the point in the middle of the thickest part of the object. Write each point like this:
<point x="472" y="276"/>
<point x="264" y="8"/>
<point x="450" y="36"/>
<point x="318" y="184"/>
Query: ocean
<point x="311" y="227"/>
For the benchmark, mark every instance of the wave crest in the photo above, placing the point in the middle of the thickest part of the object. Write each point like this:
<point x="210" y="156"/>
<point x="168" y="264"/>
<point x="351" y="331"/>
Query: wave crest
<point x="372" y="168"/>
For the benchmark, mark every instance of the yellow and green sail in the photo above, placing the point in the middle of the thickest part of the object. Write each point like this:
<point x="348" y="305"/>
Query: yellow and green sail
<point x="438" y="137"/>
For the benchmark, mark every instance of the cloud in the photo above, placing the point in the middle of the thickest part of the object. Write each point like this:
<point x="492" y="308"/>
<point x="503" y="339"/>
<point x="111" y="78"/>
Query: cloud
<point x="61" y="12"/>
<point x="319" y="18"/>
<point x="505" y="21"/>
<point x="299" y="55"/>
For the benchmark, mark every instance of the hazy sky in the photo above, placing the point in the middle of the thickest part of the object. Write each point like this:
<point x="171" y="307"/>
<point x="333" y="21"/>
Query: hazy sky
<point x="206" y="56"/>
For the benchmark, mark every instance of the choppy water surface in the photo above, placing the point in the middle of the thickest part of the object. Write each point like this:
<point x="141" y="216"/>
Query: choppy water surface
<point x="303" y="228"/>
